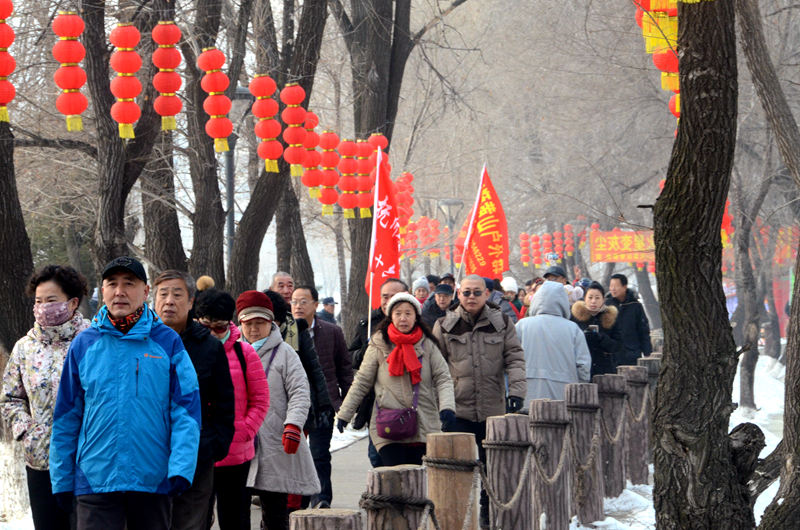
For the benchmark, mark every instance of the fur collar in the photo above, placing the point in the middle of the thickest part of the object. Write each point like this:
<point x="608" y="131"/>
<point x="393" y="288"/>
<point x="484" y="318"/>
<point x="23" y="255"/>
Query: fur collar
<point x="608" y="314"/>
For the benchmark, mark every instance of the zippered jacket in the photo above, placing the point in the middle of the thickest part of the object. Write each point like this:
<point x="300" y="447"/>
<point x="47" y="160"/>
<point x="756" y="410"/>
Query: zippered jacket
<point x="127" y="416"/>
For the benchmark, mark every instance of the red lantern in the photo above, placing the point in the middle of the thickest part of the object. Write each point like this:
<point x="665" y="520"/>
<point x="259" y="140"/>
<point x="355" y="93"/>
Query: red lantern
<point x="365" y="178"/>
<point x="267" y="127"/>
<point x="675" y="105"/>
<point x="70" y="77"/>
<point x="167" y="82"/>
<point x="125" y="87"/>
<point x="329" y="159"/>
<point x="348" y="184"/>
<point x="215" y="82"/>
<point x="294" y="116"/>
<point x="7" y="90"/>
<point x="312" y="176"/>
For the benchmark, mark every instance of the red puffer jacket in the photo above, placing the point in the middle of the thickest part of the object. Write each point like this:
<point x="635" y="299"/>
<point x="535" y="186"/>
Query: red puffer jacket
<point x="251" y="399"/>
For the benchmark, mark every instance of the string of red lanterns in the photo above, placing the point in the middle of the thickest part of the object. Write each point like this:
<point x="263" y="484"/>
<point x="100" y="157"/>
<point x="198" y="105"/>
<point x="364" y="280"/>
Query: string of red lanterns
<point x="348" y="184"/>
<point x="267" y="128"/>
<point x="329" y="159"/>
<point x="167" y="82"/>
<point x="125" y="87"/>
<point x="7" y="62"/>
<point x="217" y="105"/>
<point x="312" y="176"/>
<point x="294" y="135"/>
<point x="69" y="77"/>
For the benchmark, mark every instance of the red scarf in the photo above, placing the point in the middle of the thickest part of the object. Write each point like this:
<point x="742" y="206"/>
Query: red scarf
<point x="403" y="357"/>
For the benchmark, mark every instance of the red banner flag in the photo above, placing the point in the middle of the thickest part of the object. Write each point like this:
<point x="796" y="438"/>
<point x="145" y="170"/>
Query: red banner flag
<point x="486" y="242"/>
<point x="384" y="252"/>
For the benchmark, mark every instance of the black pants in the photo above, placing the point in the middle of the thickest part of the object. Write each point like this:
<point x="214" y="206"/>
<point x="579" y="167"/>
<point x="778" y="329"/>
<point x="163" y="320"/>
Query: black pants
<point x="319" y="441"/>
<point x="190" y="508"/>
<point x="274" y="513"/>
<point x="372" y="453"/>
<point x="121" y="510"/>
<point x="478" y="428"/>
<point x="46" y="513"/>
<point x="399" y="453"/>
<point x="233" y="498"/>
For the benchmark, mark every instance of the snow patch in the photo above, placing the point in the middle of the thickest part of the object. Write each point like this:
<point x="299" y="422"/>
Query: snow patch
<point x="340" y="440"/>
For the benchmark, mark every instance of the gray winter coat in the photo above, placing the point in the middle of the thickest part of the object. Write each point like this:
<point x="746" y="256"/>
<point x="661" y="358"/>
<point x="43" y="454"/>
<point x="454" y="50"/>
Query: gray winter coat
<point x="289" y="399"/>
<point x="555" y="349"/>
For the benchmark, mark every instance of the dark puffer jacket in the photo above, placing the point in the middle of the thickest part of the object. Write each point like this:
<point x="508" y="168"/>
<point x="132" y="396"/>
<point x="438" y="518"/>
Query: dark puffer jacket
<point x="633" y="327"/>
<point x="216" y="391"/>
<point x="604" y="345"/>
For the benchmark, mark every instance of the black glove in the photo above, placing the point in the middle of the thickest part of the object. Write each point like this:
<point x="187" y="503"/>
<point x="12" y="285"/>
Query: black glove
<point x="340" y="425"/>
<point x="325" y="418"/>
<point x="64" y="500"/>
<point x="592" y="338"/>
<point x="178" y="485"/>
<point x="513" y="404"/>
<point x="448" y="418"/>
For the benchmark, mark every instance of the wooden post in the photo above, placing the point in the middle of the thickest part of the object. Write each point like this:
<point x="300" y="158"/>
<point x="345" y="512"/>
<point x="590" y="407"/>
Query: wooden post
<point x="653" y="365"/>
<point x="507" y="441"/>
<point x="637" y="424"/>
<point x="611" y="390"/>
<point x="583" y="405"/>
<point x="551" y="464"/>
<point x="396" y="481"/>
<point x="329" y="519"/>
<point x="453" y="492"/>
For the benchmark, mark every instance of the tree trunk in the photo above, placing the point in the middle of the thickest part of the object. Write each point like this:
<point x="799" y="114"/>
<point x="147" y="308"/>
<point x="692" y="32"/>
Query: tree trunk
<point x="649" y="301"/>
<point x="607" y="272"/>
<point x="696" y="484"/>
<point x="16" y="261"/>
<point x="784" y="511"/>
<point x="163" y="246"/>
<point x="284" y="243"/>
<point x="341" y="257"/>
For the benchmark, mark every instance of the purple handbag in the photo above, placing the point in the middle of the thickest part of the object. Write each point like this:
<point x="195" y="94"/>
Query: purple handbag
<point x="397" y="424"/>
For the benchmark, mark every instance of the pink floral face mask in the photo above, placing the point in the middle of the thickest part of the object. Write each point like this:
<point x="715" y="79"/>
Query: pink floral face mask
<point x="50" y="314"/>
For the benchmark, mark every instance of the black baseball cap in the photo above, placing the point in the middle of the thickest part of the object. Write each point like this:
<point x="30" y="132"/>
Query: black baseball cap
<point x="125" y="263"/>
<point x="328" y="301"/>
<point x="555" y="270"/>
<point x="443" y="288"/>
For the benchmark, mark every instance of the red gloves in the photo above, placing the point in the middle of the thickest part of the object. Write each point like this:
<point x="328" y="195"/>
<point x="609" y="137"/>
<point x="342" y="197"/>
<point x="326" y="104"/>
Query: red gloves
<point x="291" y="438"/>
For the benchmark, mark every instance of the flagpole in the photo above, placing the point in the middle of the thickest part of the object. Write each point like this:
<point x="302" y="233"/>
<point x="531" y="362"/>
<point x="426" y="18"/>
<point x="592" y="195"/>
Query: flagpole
<point x="469" y="228"/>
<point x="372" y="240"/>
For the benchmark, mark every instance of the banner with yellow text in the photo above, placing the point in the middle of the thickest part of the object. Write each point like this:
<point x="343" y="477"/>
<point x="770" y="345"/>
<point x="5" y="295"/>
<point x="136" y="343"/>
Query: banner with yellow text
<point x="622" y="246"/>
<point x="486" y="242"/>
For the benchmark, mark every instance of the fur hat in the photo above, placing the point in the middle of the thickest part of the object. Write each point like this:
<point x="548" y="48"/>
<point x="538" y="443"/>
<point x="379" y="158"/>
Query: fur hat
<point x="404" y="297"/>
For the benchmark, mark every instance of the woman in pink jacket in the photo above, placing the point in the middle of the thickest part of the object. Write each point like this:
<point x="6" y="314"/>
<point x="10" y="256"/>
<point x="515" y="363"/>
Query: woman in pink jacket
<point x="214" y="309"/>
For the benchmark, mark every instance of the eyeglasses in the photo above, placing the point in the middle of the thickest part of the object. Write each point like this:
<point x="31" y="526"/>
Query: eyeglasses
<point x="301" y="303"/>
<point x="216" y="326"/>
<point x="476" y="293"/>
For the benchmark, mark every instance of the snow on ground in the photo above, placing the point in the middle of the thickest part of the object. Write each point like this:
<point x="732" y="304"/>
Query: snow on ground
<point x="342" y="440"/>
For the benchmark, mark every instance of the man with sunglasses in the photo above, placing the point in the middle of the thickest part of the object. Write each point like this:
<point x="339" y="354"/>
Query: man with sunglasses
<point x="481" y="347"/>
<point x="174" y="296"/>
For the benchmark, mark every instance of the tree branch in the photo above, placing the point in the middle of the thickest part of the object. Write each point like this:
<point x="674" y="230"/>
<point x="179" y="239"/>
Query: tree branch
<point x="53" y="143"/>
<point x="435" y="20"/>
<point x="345" y="25"/>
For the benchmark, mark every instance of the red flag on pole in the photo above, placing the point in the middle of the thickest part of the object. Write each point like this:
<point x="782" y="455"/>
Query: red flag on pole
<point x="384" y="252"/>
<point x="486" y="243"/>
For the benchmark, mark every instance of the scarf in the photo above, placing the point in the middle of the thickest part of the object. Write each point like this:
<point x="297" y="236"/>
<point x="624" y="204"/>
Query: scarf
<point x="403" y="357"/>
<point x="125" y="323"/>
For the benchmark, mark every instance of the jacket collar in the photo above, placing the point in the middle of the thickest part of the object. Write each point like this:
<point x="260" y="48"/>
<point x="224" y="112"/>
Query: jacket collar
<point x="487" y="316"/>
<point x="146" y="323"/>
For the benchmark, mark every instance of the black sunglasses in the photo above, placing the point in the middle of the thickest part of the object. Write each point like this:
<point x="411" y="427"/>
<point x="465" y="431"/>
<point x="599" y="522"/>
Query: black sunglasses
<point x="476" y="293"/>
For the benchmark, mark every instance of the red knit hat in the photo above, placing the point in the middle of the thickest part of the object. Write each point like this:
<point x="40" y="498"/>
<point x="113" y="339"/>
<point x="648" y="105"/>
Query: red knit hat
<point x="254" y="304"/>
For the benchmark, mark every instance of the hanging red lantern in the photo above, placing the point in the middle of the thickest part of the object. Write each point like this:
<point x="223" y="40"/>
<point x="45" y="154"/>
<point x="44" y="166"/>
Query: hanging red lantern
<point x="7" y="62"/>
<point x="167" y="81"/>
<point x="294" y="116"/>
<point x="125" y="87"/>
<point x="267" y="128"/>
<point x="365" y="178"/>
<point x="348" y="184"/>
<point x="215" y="83"/>
<point x="70" y="77"/>
<point x="329" y="158"/>
<point x="675" y="105"/>
<point x="312" y="176"/>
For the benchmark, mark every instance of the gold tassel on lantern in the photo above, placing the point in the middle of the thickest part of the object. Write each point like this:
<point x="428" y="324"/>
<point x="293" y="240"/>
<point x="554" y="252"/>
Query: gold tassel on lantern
<point x="669" y="81"/>
<point x="349" y="213"/>
<point x="297" y="170"/>
<point x="168" y="123"/>
<point x="271" y="166"/>
<point x="4" y="114"/>
<point x="220" y="145"/>
<point x="365" y="213"/>
<point x="327" y="209"/>
<point x="74" y="122"/>
<point x="126" y="130"/>
<point x="314" y="193"/>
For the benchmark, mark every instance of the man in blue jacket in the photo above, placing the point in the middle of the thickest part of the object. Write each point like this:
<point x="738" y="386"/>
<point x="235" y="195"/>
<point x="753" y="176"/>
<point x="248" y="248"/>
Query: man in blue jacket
<point x="127" y="418"/>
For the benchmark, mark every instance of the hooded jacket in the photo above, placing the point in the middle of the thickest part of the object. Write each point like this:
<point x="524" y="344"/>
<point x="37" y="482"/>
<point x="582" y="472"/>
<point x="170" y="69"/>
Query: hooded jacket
<point x="272" y="469"/>
<point x="604" y="345"/>
<point x="481" y="351"/>
<point x="435" y="390"/>
<point x="634" y="329"/>
<point x="251" y="398"/>
<point x="556" y="353"/>
<point x="30" y="386"/>
<point x="127" y="417"/>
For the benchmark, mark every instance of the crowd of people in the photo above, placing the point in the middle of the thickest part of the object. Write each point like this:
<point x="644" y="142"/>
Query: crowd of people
<point x="174" y="413"/>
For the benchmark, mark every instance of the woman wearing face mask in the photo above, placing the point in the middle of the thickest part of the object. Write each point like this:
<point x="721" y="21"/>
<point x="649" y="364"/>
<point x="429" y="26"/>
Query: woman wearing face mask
<point x="405" y="367"/>
<point x="31" y="378"/>
<point x="214" y="309"/>
<point x="599" y="324"/>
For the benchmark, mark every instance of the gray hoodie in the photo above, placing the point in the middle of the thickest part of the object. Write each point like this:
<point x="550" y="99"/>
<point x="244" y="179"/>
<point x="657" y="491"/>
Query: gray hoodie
<point x="555" y="349"/>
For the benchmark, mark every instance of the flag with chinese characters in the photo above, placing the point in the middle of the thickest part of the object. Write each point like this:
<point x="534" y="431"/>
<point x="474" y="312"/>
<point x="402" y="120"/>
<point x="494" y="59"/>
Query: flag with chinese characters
<point x="384" y="252"/>
<point x="486" y="242"/>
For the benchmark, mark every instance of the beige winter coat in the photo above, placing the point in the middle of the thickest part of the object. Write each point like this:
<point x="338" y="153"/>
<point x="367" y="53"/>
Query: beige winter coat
<point x="480" y="352"/>
<point x="396" y="392"/>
